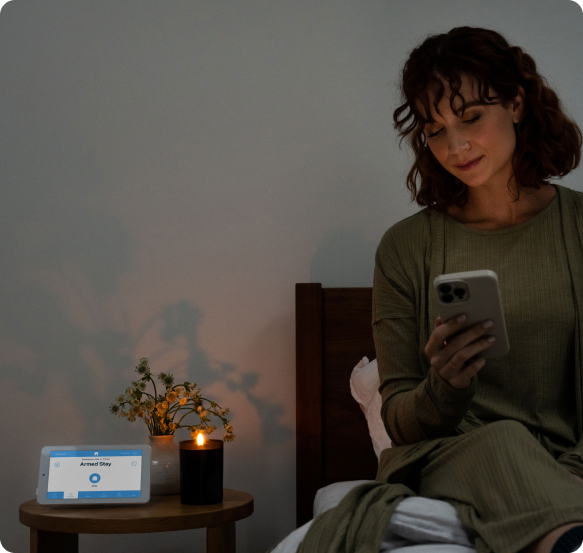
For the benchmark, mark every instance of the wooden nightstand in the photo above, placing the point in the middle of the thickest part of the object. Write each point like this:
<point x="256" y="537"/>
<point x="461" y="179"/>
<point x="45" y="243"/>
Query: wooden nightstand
<point x="57" y="529"/>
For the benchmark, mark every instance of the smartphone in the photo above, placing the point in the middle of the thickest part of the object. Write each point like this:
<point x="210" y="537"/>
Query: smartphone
<point x="477" y="294"/>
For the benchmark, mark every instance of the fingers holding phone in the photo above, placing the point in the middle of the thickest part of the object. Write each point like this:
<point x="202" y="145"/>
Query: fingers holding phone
<point x="456" y="359"/>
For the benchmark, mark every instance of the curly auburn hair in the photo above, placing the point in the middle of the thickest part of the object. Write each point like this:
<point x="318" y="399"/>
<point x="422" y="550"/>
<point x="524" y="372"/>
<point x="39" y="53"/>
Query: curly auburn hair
<point x="548" y="143"/>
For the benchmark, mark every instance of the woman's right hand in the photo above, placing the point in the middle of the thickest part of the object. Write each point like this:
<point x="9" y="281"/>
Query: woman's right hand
<point x="454" y="360"/>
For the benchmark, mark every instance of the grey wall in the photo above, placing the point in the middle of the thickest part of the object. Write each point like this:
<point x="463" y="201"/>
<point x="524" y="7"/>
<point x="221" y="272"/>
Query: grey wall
<point x="169" y="170"/>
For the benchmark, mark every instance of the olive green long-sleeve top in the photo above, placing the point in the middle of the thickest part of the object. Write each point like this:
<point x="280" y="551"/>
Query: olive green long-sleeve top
<point x="538" y="383"/>
<point x="539" y="264"/>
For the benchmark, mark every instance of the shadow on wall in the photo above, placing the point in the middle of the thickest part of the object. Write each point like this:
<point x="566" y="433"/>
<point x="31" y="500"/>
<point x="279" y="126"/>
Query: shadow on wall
<point x="344" y="259"/>
<point x="180" y="323"/>
<point x="66" y="342"/>
<point x="63" y="252"/>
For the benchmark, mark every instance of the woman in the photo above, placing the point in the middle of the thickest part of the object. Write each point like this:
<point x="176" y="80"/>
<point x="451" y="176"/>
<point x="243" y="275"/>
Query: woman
<point x="501" y="441"/>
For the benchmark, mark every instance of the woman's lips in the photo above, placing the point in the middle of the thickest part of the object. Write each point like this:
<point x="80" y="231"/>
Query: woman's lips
<point x="469" y="165"/>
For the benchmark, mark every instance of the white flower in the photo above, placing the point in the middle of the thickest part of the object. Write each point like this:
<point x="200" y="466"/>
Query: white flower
<point x="171" y="397"/>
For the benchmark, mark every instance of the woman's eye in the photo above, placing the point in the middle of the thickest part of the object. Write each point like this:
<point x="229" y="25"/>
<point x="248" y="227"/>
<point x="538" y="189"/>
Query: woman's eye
<point x="433" y="135"/>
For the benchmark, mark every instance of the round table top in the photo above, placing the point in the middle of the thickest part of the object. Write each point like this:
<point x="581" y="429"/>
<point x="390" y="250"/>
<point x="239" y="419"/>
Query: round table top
<point x="162" y="514"/>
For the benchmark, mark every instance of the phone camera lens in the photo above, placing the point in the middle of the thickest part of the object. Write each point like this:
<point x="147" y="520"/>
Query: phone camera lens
<point x="447" y="298"/>
<point x="445" y="288"/>
<point x="459" y="292"/>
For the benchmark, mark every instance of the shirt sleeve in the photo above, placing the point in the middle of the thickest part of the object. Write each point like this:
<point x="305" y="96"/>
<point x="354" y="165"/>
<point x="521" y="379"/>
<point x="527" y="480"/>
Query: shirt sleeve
<point x="417" y="404"/>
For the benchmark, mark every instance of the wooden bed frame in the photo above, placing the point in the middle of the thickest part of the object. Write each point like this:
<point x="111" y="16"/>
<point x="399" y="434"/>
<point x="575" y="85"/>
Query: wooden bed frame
<point x="333" y="332"/>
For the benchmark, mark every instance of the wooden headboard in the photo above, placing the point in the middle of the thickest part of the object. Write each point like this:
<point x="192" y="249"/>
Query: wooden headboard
<point x="333" y="332"/>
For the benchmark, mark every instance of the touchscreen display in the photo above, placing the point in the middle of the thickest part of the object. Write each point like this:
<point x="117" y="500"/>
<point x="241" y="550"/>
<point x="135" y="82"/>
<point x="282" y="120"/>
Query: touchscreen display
<point x="94" y="474"/>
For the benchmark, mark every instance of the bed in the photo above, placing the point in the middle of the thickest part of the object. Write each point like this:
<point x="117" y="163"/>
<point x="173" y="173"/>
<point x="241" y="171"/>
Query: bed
<point x="333" y="332"/>
<point x="334" y="449"/>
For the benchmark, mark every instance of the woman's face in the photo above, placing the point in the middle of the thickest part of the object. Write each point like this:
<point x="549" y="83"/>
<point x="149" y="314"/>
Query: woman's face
<point x="483" y="138"/>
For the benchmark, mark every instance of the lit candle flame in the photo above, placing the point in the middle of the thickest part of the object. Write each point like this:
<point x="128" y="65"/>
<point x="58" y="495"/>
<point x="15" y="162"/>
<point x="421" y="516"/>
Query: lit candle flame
<point x="200" y="439"/>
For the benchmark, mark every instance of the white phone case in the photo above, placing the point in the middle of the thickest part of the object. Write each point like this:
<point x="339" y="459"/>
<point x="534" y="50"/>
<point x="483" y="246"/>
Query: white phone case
<point x="477" y="294"/>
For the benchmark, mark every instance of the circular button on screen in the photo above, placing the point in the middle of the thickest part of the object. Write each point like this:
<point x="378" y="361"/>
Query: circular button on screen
<point x="95" y="478"/>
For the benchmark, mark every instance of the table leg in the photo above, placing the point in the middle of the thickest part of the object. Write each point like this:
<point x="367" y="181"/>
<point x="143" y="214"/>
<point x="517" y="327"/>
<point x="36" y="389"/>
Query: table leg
<point x="43" y="541"/>
<point x="221" y="539"/>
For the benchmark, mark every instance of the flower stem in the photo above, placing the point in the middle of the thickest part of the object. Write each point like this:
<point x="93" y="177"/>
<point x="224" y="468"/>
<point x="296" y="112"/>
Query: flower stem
<point x="153" y="384"/>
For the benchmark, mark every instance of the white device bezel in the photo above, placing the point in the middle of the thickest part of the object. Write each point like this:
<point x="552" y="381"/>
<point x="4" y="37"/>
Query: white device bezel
<point x="43" y="477"/>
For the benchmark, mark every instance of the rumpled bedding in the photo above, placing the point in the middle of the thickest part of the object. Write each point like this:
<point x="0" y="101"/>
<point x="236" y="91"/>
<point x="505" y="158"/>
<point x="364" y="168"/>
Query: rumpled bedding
<point x="419" y="525"/>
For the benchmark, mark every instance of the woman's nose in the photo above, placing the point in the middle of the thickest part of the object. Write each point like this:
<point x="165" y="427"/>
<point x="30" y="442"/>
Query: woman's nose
<point x="457" y="142"/>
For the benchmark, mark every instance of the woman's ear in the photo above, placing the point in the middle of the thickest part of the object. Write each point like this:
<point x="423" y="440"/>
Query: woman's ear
<point x="518" y="106"/>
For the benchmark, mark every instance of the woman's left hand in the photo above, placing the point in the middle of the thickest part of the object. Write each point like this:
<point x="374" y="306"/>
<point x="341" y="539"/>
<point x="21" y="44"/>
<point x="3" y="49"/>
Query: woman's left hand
<point x="578" y="478"/>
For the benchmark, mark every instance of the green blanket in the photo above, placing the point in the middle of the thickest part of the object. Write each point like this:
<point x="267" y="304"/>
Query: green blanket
<point x="358" y="523"/>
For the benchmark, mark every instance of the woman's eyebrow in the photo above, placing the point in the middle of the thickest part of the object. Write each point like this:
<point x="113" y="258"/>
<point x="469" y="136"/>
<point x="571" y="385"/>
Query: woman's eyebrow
<point x="471" y="104"/>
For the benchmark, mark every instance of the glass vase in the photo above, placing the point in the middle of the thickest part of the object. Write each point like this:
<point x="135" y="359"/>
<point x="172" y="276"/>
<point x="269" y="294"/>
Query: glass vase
<point x="164" y="466"/>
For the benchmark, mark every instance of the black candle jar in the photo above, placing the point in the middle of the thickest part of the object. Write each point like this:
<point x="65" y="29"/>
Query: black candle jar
<point x="201" y="472"/>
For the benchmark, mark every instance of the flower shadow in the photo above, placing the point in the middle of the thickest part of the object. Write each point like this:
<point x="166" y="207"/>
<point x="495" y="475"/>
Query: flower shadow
<point x="178" y="328"/>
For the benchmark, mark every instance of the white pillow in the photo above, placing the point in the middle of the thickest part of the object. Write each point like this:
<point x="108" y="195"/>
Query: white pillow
<point x="364" y="386"/>
<point x="330" y="496"/>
